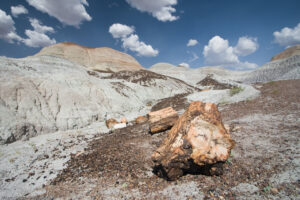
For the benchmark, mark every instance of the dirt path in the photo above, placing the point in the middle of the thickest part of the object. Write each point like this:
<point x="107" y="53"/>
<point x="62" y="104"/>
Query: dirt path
<point x="265" y="163"/>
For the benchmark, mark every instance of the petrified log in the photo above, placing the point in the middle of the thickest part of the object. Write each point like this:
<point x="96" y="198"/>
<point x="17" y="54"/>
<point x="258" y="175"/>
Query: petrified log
<point x="124" y="120"/>
<point x="162" y="120"/>
<point x="198" y="140"/>
<point x="119" y="125"/>
<point x="110" y="123"/>
<point x="141" y="119"/>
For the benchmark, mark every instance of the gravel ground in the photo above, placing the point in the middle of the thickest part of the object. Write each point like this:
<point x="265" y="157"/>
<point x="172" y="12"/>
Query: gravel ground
<point x="265" y="163"/>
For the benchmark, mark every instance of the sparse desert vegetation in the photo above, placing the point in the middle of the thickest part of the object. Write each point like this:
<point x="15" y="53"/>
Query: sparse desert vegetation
<point x="235" y="90"/>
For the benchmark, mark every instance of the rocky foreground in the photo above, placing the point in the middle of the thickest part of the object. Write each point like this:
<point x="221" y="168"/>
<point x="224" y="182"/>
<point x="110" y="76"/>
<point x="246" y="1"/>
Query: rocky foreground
<point x="265" y="163"/>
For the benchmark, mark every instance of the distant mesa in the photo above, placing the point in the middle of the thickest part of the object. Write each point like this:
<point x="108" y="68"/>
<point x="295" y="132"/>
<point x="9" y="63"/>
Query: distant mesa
<point x="289" y="52"/>
<point x="98" y="59"/>
<point x="167" y="66"/>
<point x="162" y="66"/>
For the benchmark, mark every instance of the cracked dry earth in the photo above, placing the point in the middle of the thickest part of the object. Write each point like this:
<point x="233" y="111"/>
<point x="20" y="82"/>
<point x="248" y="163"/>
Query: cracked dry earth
<point x="265" y="163"/>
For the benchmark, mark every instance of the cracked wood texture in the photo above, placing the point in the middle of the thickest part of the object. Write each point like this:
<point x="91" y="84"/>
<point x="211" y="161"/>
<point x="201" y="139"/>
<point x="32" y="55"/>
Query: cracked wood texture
<point x="162" y="120"/>
<point x="197" y="139"/>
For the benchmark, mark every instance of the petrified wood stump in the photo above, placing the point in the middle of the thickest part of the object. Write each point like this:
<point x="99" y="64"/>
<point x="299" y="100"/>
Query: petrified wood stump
<point x="198" y="141"/>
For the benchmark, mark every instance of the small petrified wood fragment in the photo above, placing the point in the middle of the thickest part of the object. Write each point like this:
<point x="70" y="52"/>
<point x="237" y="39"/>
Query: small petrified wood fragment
<point x="141" y="119"/>
<point x="110" y="123"/>
<point x="162" y="120"/>
<point x="124" y="120"/>
<point x="197" y="141"/>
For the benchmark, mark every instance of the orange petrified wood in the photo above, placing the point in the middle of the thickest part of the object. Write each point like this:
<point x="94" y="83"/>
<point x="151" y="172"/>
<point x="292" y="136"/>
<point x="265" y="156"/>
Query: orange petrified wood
<point x="197" y="139"/>
<point x="162" y="120"/>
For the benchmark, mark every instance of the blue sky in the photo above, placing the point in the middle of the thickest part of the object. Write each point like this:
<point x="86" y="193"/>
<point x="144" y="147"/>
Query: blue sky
<point x="237" y="34"/>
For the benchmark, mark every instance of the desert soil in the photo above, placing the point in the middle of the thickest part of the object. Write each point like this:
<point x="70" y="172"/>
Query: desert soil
<point x="265" y="163"/>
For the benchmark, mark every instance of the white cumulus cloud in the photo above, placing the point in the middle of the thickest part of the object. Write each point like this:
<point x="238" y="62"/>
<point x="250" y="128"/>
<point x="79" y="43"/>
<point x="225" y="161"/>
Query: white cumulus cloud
<point x="160" y="9"/>
<point x="218" y="52"/>
<point x="192" y="42"/>
<point x="18" y="10"/>
<point x="288" y="36"/>
<point x="119" y="30"/>
<point x="69" y="12"/>
<point x="7" y="28"/>
<point x="131" y="41"/>
<point x="134" y="44"/>
<point x="246" y="46"/>
<point x="186" y="65"/>
<point x="37" y="37"/>
<point x="38" y="27"/>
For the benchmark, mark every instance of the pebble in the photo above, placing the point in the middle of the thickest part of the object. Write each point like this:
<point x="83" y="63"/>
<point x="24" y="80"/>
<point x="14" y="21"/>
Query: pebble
<point x="274" y="190"/>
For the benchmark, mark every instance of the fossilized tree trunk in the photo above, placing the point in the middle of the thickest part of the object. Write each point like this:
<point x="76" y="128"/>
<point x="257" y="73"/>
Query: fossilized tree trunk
<point x="198" y="139"/>
<point x="162" y="120"/>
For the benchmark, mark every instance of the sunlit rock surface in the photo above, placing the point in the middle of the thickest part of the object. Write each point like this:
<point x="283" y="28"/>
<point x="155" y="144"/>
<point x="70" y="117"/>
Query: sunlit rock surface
<point x="197" y="139"/>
